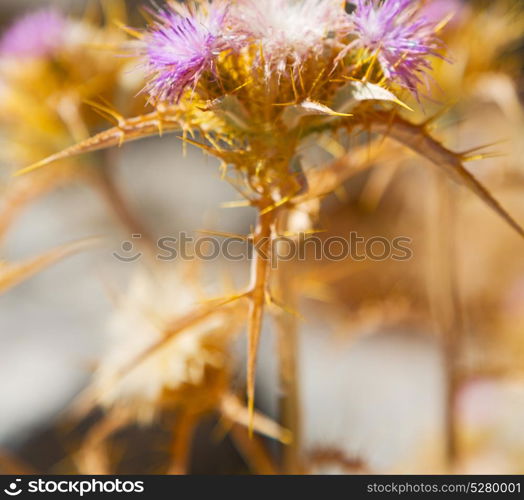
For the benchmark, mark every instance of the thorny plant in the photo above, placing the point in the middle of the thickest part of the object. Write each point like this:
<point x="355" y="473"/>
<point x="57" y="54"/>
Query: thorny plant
<point x="257" y="85"/>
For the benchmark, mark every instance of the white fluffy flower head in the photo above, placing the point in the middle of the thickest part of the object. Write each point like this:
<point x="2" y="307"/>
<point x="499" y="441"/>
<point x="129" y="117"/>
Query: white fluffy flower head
<point x="290" y="30"/>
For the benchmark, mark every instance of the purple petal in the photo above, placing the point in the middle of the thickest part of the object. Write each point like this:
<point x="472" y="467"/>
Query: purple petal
<point x="401" y="36"/>
<point x="182" y="45"/>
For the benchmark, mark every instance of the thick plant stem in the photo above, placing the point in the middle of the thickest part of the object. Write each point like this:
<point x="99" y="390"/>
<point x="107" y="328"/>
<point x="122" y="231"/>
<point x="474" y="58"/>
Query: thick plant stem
<point x="13" y="465"/>
<point x="260" y="270"/>
<point x="290" y="399"/>
<point x="288" y="339"/>
<point x="93" y="457"/>
<point x="182" y="440"/>
<point x="453" y="334"/>
<point x="232" y="409"/>
<point x="446" y="306"/>
<point x="254" y="451"/>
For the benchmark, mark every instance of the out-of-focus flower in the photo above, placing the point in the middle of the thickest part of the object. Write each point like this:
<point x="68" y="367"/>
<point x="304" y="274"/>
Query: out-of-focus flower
<point x="181" y="45"/>
<point x="402" y="38"/>
<point x="191" y="370"/>
<point x="51" y="65"/>
<point x="37" y="34"/>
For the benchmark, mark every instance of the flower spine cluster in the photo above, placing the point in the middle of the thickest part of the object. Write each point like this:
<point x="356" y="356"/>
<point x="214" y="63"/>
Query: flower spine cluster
<point x="186" y="42"/>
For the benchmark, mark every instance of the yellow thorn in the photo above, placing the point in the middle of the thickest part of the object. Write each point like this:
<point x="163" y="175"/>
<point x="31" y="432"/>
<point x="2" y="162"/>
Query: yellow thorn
<point x="31" y="168"/>
<point x="13" y="274"/>
<point x="402" y="104"/>
<point x="309" y="232"/>
<point x="293" y="86"/>
<point x="122" y="138"/>
<point x="432" y="119"/>
<point x="480" y="148"/>
<point x="236" y="204"/>
<point x="211" y="139"/>
<point x="146" y="14"/>
<point x="197" y="144"/>
<point x="301" y="80"/>
<point x="349" y="78"/>
<point x="120" y="120"/>
<point x="105" y="116"/>
<point x="382" y="81"/>
<point x="251" y="413"/>
<point x="341" y="193"/>
<point x="371" y="65"/>
<point x="270" y="300"/>
<point x="401" y="60"/>
<point x="262" y="57"/>
<point x="317" y="79"/>
<point x="227" y="300"/>
<point x="285" y="104"/>
<point x="444" y="22"/>
<point x="242" y="86"/>
<point x="484" y="156"/>
<point x="224" y="234"/>
<point x="391" y="122"/>
<point x="332" y="146"/>
<point x="281" y="202"/>
<point x="223" y="171"/>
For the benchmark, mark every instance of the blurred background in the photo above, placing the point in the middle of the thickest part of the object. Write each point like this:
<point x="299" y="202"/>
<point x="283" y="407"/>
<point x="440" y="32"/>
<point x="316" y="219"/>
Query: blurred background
<point x="404" y="366"/>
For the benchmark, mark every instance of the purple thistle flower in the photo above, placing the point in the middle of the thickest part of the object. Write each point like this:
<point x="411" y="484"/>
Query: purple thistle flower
<point x="401" y="37"/>
<point x="37" y="34"/>
<point x="181" y="45"/>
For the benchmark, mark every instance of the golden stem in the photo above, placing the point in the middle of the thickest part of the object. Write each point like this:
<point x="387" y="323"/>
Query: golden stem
<point x="253" y="450"/>
<point x="234" y="411"/>
<point x="446" y="305"/>
<point x="93" y="456"/>
<point x="182" y="441"/>
<point x="12" y="465"/>
<point x="260" y="269"/>
<point x="287" y="329"/>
